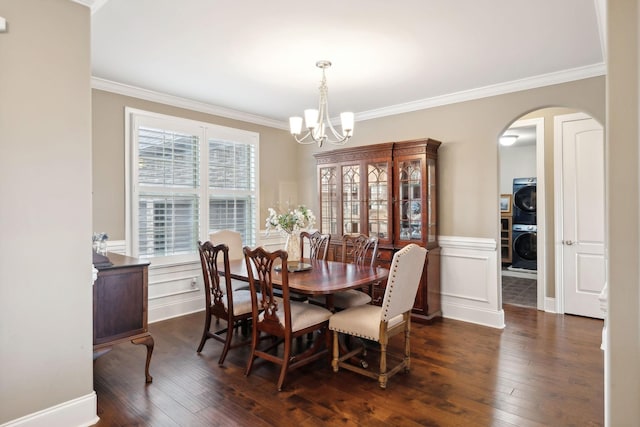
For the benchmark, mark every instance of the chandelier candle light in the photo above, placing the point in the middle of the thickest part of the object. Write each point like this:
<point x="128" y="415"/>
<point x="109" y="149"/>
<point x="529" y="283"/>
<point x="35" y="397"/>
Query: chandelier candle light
<point x="291" y="223"/>
<point x="315" y="119"/>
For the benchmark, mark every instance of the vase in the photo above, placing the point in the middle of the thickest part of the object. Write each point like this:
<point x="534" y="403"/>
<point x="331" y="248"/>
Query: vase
<point x="292" y="246"/>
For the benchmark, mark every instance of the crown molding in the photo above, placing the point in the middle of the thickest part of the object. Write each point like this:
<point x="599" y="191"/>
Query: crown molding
<point x="487" y="91"/>
<point x="94" y="5"/>
<point x="176" y="101"/>
<point x="421" y="104"/>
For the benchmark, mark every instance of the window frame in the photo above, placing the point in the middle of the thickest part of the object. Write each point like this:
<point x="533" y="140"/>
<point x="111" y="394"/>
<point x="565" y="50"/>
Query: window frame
<point x="134" y="118"/>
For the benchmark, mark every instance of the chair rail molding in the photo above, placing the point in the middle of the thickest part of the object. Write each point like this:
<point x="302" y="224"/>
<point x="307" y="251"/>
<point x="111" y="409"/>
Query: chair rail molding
<point x="469" y="280"/>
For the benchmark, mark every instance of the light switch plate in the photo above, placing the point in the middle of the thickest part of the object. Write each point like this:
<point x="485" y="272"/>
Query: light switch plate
<point x="3" y="25"/>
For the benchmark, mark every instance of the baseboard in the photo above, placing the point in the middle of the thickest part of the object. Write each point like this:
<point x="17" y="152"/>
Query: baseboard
<point x="491" y="318"/>
<point x="171" y="309"/>
<point x="550" y="305"/>
<point x="77" y="412"/>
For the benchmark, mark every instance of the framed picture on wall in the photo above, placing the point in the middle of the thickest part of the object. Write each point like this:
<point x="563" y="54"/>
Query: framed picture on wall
<point x="505" y="203"/>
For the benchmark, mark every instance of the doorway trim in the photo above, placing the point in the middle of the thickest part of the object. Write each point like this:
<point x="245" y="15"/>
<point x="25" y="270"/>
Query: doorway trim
<point x="542" y="303"/>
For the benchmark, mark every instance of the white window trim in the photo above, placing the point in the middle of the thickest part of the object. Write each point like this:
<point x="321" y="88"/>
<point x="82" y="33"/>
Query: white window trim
<point x="210" y="130"/>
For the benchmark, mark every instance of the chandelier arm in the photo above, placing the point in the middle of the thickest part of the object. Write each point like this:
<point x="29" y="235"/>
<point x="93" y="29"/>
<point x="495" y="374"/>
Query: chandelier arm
<point x="302" y="140"/>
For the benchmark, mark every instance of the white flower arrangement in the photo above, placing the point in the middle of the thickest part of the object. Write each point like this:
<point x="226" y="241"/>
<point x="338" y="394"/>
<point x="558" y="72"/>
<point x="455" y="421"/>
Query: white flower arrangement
<point x="290" y="222"/>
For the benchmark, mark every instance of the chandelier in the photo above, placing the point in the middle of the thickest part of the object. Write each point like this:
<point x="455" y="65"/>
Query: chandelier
<point x="318" y="121"/>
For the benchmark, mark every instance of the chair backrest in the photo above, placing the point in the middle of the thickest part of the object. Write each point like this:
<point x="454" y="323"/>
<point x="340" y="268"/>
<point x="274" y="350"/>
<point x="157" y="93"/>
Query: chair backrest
<point x="260" y="265"/>
<point x="404" y="278"/>
<point x="209" y="259"/>
<point x="318" y="244"/>
<point x="232" y="239"/>
<point x="357" y="248"/>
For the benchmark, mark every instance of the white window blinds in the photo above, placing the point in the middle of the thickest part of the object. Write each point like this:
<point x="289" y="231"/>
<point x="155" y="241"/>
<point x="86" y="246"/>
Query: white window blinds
<point x="232" y="187"/>
<point x="183" y="172"/>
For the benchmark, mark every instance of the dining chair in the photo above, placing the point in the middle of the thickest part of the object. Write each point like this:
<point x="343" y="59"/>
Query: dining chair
<point x="379" y="323"/>
<point x="359" y="249"/>
<point x="318" y="244"/>
<point x="280" y="318"/>
<point x="355" y="249"/>
<point x="233" y="240"/>
<point x="221" y="301"/>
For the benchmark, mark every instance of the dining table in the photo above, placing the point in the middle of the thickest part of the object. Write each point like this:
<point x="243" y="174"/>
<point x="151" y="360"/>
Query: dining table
<point x="313" y="277"/>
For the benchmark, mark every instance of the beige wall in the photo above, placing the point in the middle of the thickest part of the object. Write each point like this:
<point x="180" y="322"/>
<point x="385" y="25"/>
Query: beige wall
<point x="468" y="158"/>
<point x="46" y="331"/>
<point x="622" y="360"/>
<point x="278" y="170"/>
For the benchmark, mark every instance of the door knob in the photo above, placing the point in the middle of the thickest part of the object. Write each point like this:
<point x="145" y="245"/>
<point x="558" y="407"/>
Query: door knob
<point x="567" y="242"/>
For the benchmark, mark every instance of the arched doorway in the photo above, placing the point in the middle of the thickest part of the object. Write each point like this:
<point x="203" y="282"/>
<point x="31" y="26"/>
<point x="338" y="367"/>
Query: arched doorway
<point x="538" y="130"/>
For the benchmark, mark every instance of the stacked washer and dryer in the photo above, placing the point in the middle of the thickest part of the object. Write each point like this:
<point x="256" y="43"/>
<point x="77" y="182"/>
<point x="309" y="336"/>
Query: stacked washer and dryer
<point x="525" y="229"/>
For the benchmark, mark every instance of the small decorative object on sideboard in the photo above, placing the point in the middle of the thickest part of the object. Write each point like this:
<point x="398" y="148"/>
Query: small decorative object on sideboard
<point x="100" y="242"/>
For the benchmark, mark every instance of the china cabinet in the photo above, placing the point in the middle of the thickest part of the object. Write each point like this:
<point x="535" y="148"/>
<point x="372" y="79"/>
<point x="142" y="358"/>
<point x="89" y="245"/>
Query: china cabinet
<point x="389" y="191"/>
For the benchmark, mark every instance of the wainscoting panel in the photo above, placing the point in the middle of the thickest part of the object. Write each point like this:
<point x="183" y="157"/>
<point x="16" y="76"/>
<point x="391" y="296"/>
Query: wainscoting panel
<point x="177" y="289"/>
<point x="469" y="280"/>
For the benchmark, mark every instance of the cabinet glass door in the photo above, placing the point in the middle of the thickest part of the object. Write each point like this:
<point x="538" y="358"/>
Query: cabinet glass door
<point x="378" y="200"/>
<point x="410" y="200"/>
<point x="432" y="208"/>
<point x="328" y="200"/>
<point x="351" y="198"/>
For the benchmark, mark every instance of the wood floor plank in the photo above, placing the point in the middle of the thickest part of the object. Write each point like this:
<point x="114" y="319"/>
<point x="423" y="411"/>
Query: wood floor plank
<point x="542" y="369"/>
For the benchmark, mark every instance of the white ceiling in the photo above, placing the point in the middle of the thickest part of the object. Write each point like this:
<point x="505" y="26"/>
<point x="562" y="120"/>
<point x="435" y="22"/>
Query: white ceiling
<point x="258" y="57"/>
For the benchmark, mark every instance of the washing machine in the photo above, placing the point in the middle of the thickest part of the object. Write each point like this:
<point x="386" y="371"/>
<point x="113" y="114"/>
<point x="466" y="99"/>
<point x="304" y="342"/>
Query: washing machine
<point x="524" y="201"/>
<point x="525" y="246"/>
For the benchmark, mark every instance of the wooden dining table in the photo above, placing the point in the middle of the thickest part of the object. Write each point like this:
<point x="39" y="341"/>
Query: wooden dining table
<point x="320" y="277"/>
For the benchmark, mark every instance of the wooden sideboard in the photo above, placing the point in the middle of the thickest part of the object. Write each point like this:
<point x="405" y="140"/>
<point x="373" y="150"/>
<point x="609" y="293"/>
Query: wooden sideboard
<point x="120" y="306"/>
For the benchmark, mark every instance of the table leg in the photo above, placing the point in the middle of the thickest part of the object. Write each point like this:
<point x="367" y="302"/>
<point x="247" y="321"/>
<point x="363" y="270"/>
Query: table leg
<point x="148" y="341"/>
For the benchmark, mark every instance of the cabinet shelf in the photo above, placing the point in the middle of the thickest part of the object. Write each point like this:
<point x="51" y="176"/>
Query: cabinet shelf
<point x="506" y="238"/>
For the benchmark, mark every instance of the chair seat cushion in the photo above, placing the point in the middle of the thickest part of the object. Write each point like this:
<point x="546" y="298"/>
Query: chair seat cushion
<point x="241" y="302"/>
<point x="239" y="285"/>
<point x="350" y="298"/>
<point x="361" y="321"/>
<point x="344" y="299"/>
<point x="303" y="315"/>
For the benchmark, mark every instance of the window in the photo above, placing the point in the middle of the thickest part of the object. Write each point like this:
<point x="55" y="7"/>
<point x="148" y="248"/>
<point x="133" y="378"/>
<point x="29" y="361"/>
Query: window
<point x="185" y="180"/>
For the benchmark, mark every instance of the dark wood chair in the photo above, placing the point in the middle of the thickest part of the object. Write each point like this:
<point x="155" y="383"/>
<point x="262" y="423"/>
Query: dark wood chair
<point x="318" y="244"/>
<point x="221" y="301"/>
<point x="362" y="250"/>
<point x="280" y="318"/>
<point x="380" y="323"/>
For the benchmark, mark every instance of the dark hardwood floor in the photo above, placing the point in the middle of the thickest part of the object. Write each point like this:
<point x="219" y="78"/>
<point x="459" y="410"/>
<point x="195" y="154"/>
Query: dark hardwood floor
<point x="541" y="370"/>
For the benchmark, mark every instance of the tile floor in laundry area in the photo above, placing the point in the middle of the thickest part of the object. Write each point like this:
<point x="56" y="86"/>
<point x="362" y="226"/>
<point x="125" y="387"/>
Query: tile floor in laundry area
<point x="520" y="291"/>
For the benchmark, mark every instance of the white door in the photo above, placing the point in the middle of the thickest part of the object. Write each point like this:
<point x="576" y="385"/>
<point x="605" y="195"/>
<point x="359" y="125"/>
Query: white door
<point x="581" y="237"/>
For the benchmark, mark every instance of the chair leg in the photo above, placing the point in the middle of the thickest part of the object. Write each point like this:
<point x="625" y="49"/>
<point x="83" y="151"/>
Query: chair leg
<point x="382" y="378"/>
<point x="407" y="347"/>
<point x="336" y="351"/>
<point x="205" y="333"/>
<point x="252" y="355"/>
<point x="227" y="341"/>
<point x="286" y="358"/>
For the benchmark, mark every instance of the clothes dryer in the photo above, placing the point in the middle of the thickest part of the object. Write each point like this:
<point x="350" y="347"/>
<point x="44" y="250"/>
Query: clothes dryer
<point x="525" y="246"/>
<point x="524" y="201"/>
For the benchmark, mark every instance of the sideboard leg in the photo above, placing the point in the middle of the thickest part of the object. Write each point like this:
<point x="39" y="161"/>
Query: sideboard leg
<point x="148" y="341"/>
